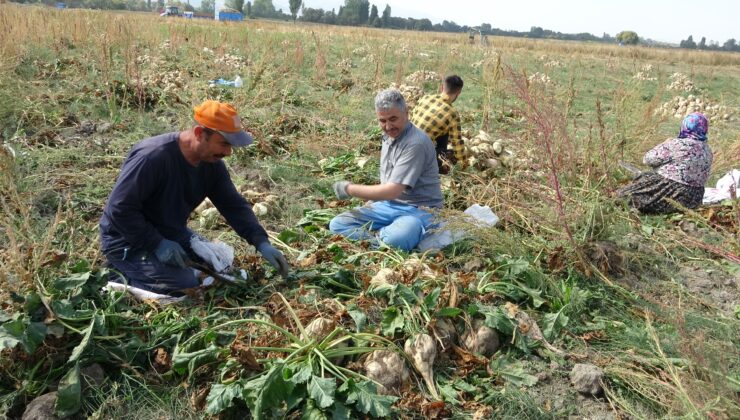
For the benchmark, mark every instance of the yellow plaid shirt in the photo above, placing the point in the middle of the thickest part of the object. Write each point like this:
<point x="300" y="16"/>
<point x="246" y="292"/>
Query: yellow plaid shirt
<point x="435" y="115"/>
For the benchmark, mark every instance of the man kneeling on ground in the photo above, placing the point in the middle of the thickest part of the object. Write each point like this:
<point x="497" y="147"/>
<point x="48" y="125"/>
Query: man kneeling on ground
<point x="398" y="212"/>
<point x="143" y="231"/>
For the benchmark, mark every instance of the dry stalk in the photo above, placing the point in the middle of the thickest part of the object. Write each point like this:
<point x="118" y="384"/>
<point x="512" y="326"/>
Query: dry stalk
<point x="400" y="71"/>
<point x="689" y="405"/>
<point x="491" y="79"/>
<point x="545" y="126"/>
<point x="320" y="62"/>
<point x="602" y="136"/>
<point x="298" y="55"/>
<point x="379" y="66"/>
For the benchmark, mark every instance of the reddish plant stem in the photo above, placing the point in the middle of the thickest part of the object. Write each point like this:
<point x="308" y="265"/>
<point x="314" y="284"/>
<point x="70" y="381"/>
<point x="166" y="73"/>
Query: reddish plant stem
<point x="543" y="120"/>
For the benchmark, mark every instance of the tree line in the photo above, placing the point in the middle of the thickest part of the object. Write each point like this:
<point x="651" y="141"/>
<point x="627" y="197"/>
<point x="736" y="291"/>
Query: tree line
<point x="362" y="13"/>
<point x="729" y="45"/>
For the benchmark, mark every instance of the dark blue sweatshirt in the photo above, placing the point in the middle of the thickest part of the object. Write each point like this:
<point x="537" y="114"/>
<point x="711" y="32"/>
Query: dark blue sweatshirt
<point x="156" y="192"/>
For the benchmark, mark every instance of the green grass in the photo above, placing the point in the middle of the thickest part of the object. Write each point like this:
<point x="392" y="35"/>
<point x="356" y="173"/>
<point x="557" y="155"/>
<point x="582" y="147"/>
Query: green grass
<point x="129" y="397"/>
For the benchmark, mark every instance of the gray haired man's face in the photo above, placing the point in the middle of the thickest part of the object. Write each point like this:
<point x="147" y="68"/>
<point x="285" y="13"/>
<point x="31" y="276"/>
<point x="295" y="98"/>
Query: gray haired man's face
<point x="392" y="121"/>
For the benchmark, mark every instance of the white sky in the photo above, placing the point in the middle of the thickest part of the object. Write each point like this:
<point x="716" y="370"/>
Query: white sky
<point x="661" y="20"/>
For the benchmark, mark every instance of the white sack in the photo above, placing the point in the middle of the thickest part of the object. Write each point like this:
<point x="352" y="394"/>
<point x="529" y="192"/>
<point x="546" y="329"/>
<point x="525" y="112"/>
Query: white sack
<point x="141" y="294"/>
<point x="725" y="186"/>
<point x="478" y="216"/>
<point x="218" y="254"/>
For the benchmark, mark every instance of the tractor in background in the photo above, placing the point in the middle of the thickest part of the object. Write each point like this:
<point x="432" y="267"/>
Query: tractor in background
<point x="171" y="11"/>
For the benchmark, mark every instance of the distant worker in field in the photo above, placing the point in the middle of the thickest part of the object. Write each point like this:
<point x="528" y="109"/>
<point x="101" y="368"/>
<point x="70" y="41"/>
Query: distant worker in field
<point x="398" y="212"/>
<point x="440" y="120"/>
<point x="680" y="168"/>
<point x="143" y="231"/>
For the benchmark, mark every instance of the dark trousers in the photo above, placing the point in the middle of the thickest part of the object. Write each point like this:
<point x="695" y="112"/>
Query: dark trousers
<point x="143" y="270"/>
<point x="442" y="153"/>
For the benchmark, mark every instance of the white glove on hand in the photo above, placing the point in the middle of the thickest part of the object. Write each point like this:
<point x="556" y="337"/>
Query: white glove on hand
<point x="340" y="189"/>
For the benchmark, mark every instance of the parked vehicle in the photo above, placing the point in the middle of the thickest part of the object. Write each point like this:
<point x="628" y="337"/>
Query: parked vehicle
<point x="171" y="11"/>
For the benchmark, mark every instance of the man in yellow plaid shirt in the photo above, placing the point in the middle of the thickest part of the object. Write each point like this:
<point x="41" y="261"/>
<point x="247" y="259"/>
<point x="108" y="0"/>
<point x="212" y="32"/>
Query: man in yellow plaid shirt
<point x="435" y="115"/>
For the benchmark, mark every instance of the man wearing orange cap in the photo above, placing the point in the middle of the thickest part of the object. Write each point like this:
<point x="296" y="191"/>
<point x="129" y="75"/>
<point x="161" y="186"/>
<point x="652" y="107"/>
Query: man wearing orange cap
<point x="143" y="231"/>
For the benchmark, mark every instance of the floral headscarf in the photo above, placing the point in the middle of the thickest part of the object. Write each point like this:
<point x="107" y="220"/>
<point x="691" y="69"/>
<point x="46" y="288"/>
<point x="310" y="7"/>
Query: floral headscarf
<point x="694" y="126"/>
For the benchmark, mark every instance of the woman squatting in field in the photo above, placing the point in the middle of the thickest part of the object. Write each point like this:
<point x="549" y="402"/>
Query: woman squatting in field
<point x="680" y="168"/>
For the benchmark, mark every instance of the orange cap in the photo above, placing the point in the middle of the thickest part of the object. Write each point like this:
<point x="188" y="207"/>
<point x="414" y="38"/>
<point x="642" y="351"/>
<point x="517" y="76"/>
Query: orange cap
<point x="223" y="118"/>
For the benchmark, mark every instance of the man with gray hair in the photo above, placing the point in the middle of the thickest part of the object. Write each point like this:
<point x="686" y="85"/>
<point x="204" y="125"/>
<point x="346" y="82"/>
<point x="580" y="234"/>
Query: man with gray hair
<point x="398" y="209"/>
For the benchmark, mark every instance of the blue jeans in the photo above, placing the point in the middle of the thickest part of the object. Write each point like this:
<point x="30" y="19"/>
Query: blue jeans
<point x="398" y="225"/>
<point x="144" y="271"/>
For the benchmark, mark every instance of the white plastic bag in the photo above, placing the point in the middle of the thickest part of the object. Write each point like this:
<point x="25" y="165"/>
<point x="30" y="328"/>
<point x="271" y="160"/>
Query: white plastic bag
<point x="218" y="254"/>
<point x="724" y="188"/>
<point x="478" y="216"/>
<point x="141" y="294"/>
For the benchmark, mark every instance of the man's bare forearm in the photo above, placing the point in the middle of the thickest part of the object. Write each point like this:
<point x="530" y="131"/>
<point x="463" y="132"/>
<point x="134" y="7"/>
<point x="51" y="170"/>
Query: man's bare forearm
<point x="376" y="192"/>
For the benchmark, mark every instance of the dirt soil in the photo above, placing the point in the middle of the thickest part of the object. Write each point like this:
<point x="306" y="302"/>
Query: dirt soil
<point x="555" y="394"/>
<point x="713" y="286"/>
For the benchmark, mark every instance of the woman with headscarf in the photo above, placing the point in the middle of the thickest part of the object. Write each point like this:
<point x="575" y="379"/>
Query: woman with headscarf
<point x="680" y="167"/>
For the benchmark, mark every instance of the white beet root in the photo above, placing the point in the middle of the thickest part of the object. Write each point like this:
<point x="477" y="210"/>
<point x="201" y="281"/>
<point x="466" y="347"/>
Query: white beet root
<point x="260" y="209"/>
<point x="445" y="333"/>
<point x="388" y="369"/>
<point x="528" y="326"/>
<point x="480" y="339"/>
<point x="422" y="351"/>
<point x="209" y="218"/>
<point x="206" y="204"/>
<point x="318" y="329"/>
<point x="493" y="163"/>
<point x="271" y="198"/>
<point x="384" y="277"/>
<point x="484" y="136"/>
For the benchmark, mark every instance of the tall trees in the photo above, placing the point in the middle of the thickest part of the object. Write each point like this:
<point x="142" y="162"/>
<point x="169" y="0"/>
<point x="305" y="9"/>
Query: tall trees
<point x="363" y="10"/>
<point x="536" y="32"/>
<point x="628" y="37"/>
<point x="423" y="25"/>
<point x="312" y="15"/>
<point x="235" y="4"/>
<point x="263" y="8"/>
<point x="386" y="19"/>
<point x="354" y="12"/>
<point x="373" y="15"/>
<point x="330" y="18"/>
<point x="450" y="26"/>
<point x="729" y="45"/>
<point x="295" y="5"/>
<point x="207" y="6"/>
<point x="688" y="43"/>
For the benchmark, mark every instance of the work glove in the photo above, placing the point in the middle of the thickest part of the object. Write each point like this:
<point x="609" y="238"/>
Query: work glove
<point x="171" y="253"/>
<point x="275" y="258"/>
<point x="340" y="189"/>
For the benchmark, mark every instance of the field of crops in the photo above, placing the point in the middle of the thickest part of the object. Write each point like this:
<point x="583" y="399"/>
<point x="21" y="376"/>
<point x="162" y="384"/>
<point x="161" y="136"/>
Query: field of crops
<point x="572" y="306"/>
